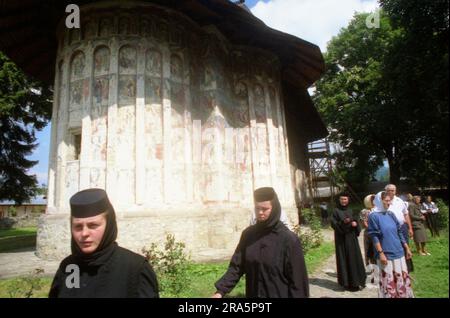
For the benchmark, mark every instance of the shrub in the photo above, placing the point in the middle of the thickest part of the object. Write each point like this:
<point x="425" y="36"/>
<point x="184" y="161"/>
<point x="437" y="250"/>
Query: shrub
<point x="170" y="265"/>
<point x="12" y="211"/>
<point x="310" y="236"/>
<point x="442" y="216"/>
<point x="26" y="287"/>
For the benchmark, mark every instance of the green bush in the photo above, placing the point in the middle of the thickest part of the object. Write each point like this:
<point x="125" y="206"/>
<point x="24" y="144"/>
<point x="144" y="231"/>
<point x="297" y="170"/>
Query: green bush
<point x="442" y="216"/>
<point x="26" y="287"/>
<point x="311" y="235"/>
<point x="170" y="265"/>
<point x="12" y="211"/>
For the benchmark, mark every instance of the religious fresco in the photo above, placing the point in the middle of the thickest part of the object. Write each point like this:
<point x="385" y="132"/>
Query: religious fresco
<point x="77" y="66"/>
<point x="176" y="35"/>
<point x="79" y="93"/>
<point x="178" y="96"/>
<point x="106" y="27"/>
<point x="162" y="34"/>
<point x="153" y="63"/>
<point x="74" y="35"/>
<point x="99" y="133"/>
<point x="177" y="135"/>
<point x="127" y="60"/>
<point x="124" y="26"/>
<point x="275" y="130"/>
<point x="260" y="105"/>
<point x="99" y="114"/>
<point x="273" y="106"/>
<point x="126" y="121"/>
<point x="76" y="94"/>
<point x="176" y="67"/>
<point x="260" y="139"/>
<point x="127" y="90"/>
<point x="146" y="28"/>
<point x="97" y="178"/>
<point x="177" y="138"/>
<point x="89" y="30"/>
<point x="72" y="179"/>
<point x="153" y="127"/>
<point x="178" y="103"/>
<point x="101" y="91"/>
<point x="101" y="61"/>
<point x="153" y="93"/>
<point x="215" y="85"/>
<point x="241" y="115"/>
<point x="208" y="77"/>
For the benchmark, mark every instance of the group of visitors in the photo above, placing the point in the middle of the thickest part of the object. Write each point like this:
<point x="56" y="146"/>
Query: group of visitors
<point x="388" y="222"/>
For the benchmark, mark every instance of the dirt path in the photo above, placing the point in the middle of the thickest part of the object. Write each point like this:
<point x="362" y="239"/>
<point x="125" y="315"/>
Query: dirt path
<point x="23" y="263"/>
<point x="323" y="282"/>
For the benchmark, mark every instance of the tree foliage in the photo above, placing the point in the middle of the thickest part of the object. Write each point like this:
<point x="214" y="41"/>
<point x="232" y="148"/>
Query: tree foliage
<point x="418" y="63"/>
<point x="25" y="107"/>
<point x="372" y="99"/>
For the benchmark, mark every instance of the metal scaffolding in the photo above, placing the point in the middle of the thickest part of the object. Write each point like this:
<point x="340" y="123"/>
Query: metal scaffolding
<point x="321" y="167"/>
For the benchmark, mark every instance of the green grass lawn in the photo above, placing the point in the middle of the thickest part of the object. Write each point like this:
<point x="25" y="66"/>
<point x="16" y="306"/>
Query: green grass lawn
<point x="14" y="239"/>
<point x="18" y="232"/>
<point x="202" y="278"/>
<point x="430" y="275"/>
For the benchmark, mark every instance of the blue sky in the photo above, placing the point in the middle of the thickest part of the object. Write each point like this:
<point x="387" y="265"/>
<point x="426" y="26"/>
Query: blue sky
<point x="316" y="21"/>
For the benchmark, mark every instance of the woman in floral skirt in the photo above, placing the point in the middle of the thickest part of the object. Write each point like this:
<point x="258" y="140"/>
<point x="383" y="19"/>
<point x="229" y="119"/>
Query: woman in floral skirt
<point x="390" y="248"/>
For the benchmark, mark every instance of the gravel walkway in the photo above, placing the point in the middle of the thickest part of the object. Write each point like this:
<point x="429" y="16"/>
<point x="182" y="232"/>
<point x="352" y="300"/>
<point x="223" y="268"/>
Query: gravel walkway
<point x="323" y="282"/>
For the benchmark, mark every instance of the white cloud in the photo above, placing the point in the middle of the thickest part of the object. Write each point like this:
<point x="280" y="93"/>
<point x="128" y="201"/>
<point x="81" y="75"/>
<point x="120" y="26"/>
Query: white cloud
<point x="316" y="21"/>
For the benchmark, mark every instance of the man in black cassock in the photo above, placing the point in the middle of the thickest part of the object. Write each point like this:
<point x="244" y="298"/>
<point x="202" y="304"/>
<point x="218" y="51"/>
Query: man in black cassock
<point x="269" y="254"/>
<point x="98" y="267"/>
<point x="350" y="266"/>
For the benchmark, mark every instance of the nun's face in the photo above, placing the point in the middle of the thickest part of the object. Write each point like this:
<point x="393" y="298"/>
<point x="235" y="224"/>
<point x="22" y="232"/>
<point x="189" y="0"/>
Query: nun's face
<point x="343" y="200"/>
<point x="88" y="232"/>
<point x="263" y="210"/>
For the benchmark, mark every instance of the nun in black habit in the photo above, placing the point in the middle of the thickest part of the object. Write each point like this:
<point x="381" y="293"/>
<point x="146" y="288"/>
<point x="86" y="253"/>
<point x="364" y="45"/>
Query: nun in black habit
<point x="350" y="265"/>
<point x="98" y="267"/>
<point x="268" y="254"/>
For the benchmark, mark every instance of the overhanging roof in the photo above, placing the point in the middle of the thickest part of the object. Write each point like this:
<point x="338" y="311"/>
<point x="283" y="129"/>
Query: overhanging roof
<point x="28" y="37"/>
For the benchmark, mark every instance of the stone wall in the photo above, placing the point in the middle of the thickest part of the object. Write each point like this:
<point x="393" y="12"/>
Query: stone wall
<point x="209" y="235"/>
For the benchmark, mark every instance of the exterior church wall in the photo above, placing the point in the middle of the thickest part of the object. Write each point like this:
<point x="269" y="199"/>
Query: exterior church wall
<point x="176" y="123"/>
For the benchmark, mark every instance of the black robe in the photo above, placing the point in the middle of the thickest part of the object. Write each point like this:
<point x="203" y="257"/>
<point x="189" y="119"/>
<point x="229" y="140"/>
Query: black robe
<point x="271" y="257"/>
<point x="350" y="265"/>
<point x="120" y="273"/>
<point x="109" y="272"/>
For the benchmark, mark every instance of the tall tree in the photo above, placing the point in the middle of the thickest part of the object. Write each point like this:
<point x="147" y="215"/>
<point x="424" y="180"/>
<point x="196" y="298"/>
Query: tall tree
<point x="25" y="107"/>
<point x="366" y="99"/>
<point x="352" y="100"/>
<point x="419" y="63"/>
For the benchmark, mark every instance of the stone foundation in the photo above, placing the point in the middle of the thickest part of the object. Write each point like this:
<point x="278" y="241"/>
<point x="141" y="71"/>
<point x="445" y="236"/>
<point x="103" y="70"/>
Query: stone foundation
<point x="209" y="234"/>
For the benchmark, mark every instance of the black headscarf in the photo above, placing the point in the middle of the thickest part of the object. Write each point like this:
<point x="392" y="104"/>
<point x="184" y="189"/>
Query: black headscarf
<point x="268" y="194"/>
<point x="88" y="203"/>
<point x="338" y="201"/>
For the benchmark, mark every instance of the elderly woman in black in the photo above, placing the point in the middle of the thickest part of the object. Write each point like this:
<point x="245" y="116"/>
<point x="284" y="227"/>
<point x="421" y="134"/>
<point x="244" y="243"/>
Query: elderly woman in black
<point x="98" y="267"/>
<point x="418" y="224"/>
<point x="268" y="254"/>
<point x="349" y="262"/>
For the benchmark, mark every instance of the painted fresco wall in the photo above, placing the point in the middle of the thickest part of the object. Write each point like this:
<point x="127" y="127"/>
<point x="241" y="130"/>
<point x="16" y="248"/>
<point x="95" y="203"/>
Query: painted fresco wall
<point x="167" y="114"/>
